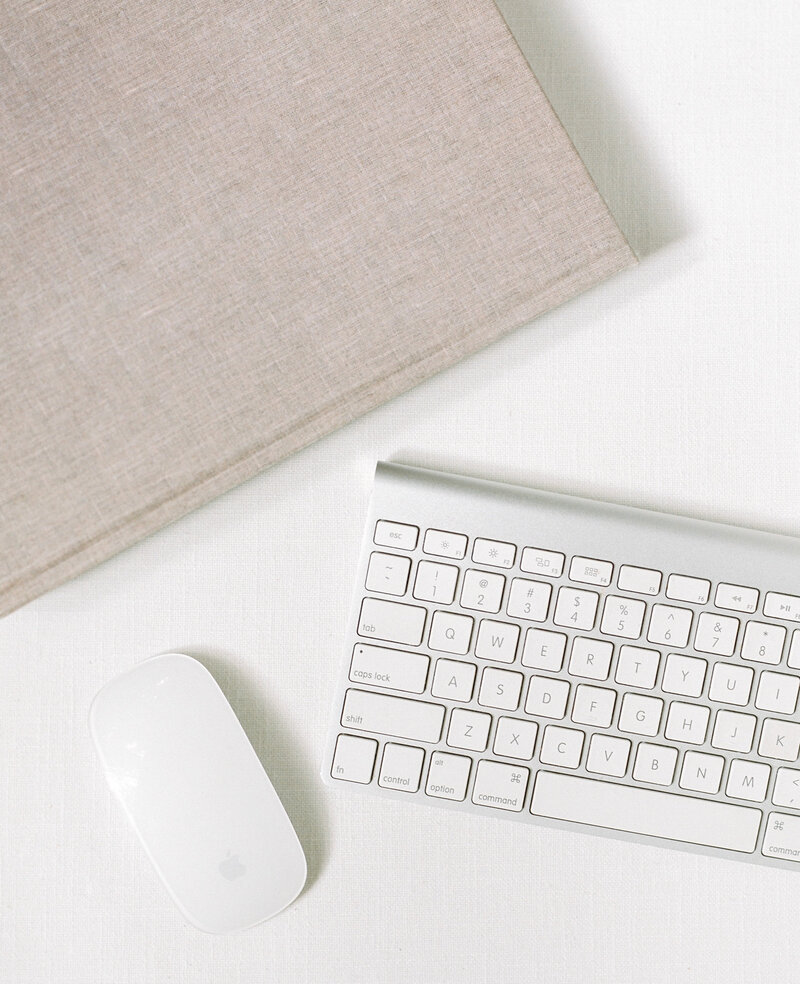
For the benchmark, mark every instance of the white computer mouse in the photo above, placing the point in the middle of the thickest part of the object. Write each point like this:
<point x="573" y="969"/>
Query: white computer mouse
<point x="195" y="792"/>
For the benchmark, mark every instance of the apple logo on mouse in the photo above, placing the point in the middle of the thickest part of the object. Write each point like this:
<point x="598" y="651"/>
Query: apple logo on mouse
<point x="231" y="867"/>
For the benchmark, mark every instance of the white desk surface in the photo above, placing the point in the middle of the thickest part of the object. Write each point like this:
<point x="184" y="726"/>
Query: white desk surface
<point x="674" y="387"/>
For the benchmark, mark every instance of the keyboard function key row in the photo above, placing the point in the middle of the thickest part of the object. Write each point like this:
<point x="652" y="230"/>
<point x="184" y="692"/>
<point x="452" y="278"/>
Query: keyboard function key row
<point x="633" y="579"/>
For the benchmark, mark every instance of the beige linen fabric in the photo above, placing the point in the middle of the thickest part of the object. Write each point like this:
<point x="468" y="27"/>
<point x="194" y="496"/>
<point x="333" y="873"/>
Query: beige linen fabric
<point x="229" y="227"/>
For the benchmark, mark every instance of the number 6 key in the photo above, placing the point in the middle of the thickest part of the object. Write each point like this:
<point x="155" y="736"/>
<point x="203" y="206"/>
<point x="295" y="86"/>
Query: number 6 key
<point x="669" y="626"/>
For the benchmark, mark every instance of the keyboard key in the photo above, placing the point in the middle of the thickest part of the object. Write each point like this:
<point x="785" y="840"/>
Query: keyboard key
<point x="500" y="786"/>
<point x="655" y="763"/>
<point x="399" y="535"/>
<point x="646" y="811"/>
<point x="448" y="776"/>
<point x="736" y="598"/>
<point x="608" y="756"/>
<point x="435" y="582"/>
<point x="391" y="621"/>
<point x="639" y="580"/>
<point x="748" y="781"/>
<point x="589" y="571"/>
<point x="787" y="788"/>
<point x="401" y="767"/>
<point x="561" y="746"/>
<point x="388" y="573"/>
<point x="354" y="758"/>
<point x="731" y="684"/>
<point x="669" y="626"/>
<point x="695" y="590"/>
<point x="451" y="633"/>
<point x="500" y="688"/>
<point x="777" y="692"/>
<point x="576" y="609"/>
<point x="623" y="617"/>
<point x="637" y="667"/>
<point x="493" y="553"/>
<point x="783" y="606"/>
<point x="763" y="643"/>
<point x="547" y="698"/>
<point x="528" y="600"/>
<point x="389" y="668"/>
<point x="515" y="738"/>
<point x="640" y="715"/>
<point x="593" y="706"/>
<point x="684" y="675"/>
<point x="400" y="717"/>
<point x="733" y="731"/>
<point x="469" y="729"/>
<point x="482" y="591"/>
<point x="545" y="562"/>
<point x="544" y="649"/>
<point x="793" y="659"/>
<point x="716" y="634"/>
<point x="779" y="740"/>
<point x="590" y="658"/>
<point x="687" y="722"/>
<point x="441" y="543"/>
<point x="782" y="837"/>
<point x="453" y="680"/>
<point x="497" y="641"/>
<point x="701" y="772"/>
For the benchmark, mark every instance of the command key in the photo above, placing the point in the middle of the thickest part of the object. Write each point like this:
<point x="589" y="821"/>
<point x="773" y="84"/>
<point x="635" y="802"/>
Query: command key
<point x="782" y="837"/>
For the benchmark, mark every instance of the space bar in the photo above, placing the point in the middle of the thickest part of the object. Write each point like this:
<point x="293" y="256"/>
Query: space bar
<point x="646" y="811"/>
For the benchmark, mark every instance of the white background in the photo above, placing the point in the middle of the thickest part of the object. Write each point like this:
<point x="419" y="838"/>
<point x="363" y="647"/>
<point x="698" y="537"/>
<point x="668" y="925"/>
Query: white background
<point x="675" y="386"/>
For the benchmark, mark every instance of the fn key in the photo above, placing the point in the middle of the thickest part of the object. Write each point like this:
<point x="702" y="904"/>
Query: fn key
<point x="354" y="758"/>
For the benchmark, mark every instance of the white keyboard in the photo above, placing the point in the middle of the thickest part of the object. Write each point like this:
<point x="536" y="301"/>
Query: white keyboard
<point x="575" y="664"/>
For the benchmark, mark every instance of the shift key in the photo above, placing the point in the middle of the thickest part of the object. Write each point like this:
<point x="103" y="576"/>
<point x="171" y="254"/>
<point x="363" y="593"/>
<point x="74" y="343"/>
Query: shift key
<point x="415" y="720"/>
<point x="391" y="621"/>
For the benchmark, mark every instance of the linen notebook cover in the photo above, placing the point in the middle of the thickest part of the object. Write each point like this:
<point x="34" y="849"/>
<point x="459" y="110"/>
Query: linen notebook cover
<point x="228" y="227"/>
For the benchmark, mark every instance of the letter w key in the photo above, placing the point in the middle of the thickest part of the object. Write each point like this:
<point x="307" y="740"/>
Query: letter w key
<point x="497" y="641"/>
